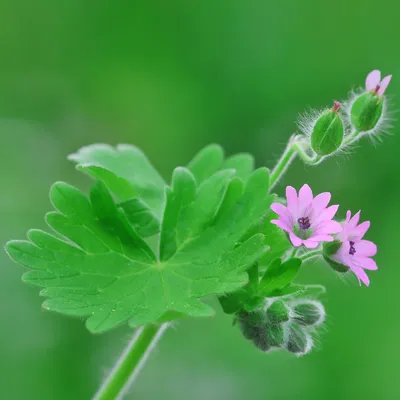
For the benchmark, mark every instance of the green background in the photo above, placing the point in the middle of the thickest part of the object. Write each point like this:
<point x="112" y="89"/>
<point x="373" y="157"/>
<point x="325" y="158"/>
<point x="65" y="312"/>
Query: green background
<point x="171" y="77"/>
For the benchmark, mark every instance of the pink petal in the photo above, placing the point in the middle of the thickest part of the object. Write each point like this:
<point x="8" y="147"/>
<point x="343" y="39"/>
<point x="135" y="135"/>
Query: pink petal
<point x="359" y="231"/>
<point x="292" y="202"/>
<point x="305" y="199"/>
<point x="283" y="212"/>
<point x="282" y="224"/>
<point x="384" y="84"/>
<point x="326" y="214"/>
<point x="295" y="240"/>
<point x="320" y="202"/>
<point x="354" y="221"/>
<point x="322" y="238"/>
<point x="310" y="244"/>
<point x="366" y="263"/>
<point x="373" y="79"/>
<point x="344" y="250"/>
<point x="348" y="216"/>
<point x="341" y="258"/>
<point x="328" y="227"/>
<point x="365" y="248"/>
<point x="361" y="275"/>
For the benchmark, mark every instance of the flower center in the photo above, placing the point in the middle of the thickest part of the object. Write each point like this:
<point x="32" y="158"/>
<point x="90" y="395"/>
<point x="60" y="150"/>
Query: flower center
<point x="352" y="250"/>
<point x="304" y="223"/>
<point x="377" y="89"/>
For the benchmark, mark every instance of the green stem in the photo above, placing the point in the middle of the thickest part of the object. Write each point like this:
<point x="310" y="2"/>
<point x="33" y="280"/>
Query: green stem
<point x="293" y="149"/>
<point x="131" y="361"/>
<point x="310" y="255"/>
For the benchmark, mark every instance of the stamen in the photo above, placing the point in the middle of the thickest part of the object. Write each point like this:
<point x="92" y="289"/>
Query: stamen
<point x="304" y="223"/>
<point x="377" y="89"/>
<point x="352" y="250"/>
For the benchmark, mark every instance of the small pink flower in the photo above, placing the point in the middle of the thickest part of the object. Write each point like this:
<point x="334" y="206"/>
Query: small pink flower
<point x="355" y="253"/>
<point x="307" y="219"/>
<point x="374" y="83"/>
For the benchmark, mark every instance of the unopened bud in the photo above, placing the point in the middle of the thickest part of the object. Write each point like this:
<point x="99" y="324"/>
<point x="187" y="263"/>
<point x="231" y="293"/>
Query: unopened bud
<point x="309" y="313"/>
<point x="275" y="334"/>
<point x="299" y="341"/>
<point x="328" y="131"/>
<point x="366" y="111"/>
<point x="278" y="312"/>
<point x="253" y="327"/>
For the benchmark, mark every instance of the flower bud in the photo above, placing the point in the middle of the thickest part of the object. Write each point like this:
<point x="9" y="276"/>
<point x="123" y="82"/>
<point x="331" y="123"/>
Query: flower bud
<point x="366" y="111"/>
<point x="278" y="312"/>
<point x="309" y="313"/>
<point x="299" y="341"/>
<point x="275" y="334"/>
<point x="328" y="131"/>
<point x="253" y="327"/>
<point x="329" y="249"/>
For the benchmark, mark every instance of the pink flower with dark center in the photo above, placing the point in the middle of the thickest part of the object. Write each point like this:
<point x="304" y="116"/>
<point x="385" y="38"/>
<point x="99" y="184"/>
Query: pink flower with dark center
<point x="355" y="252"/>
<point x="306" y="218"/>
<point x="374" y="83"/>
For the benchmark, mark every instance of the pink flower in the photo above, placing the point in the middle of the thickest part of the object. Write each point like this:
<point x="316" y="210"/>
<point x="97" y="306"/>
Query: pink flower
<point x="354" y="252"/>
<point x="374" y="83"/>
<point x="307" y="219"/>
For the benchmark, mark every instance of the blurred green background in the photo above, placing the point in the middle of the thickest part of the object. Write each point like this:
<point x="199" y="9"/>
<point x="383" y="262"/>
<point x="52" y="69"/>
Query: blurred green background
<point x="171" y="77"/>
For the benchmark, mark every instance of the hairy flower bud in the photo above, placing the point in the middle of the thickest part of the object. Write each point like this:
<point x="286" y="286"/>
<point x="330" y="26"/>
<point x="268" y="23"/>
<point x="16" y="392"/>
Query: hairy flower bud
<point x="299" y="341"/>
<point x="328" y="131"/>
<point x="278" y="312"/>
<point x="366" y="111"/>
<point x="253" y="327"/>
<point x="275" y="334"/>
<point x="309" y="313"/>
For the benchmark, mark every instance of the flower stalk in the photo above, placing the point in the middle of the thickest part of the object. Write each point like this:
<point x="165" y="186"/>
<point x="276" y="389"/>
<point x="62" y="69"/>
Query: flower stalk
<point x="311" y="254"/>
<point x="130" y="363"/>
<point x="293" y="149"/>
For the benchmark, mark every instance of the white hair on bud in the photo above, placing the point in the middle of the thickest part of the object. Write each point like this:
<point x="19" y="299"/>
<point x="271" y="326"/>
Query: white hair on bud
<point x="383" y="126"/>
<point x="309" y="345"/>
<point x="307" y="120"/>
<point x="317" y="304"/>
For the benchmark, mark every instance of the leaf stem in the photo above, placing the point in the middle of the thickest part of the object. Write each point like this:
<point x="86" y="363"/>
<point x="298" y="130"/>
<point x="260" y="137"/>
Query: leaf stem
<point x="130" y="363"/>
<point x="310" y="255"/>
<point x="294" y="148"/>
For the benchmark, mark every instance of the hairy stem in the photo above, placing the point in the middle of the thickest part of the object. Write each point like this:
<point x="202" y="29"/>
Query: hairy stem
<point x="130" y="363"/>
<point x="294" y="148"/>
<point x="310" y="255"/>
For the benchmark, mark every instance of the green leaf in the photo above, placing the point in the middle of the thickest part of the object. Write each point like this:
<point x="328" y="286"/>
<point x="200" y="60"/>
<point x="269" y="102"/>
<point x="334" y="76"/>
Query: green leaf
<point x="278" y="275"/>
<point x="243" y="163"/>
<point x="140" y="216"/>
<point x="188" y="212"/>
<point x="211" y="159"/>
<point x="102" y="270"/>
<point x="126" y="171"/>
<point x="128" y="174"/>
<point x="207" y="162"/>
<point x="275" y="239"/>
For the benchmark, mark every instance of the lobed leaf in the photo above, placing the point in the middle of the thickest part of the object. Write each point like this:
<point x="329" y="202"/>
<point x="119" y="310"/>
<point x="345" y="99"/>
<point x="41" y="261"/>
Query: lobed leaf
<point x="100" y="268"/>
<point x="126" y="171"/>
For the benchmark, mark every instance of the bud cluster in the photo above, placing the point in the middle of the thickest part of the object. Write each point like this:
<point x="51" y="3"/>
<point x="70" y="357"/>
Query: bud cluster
<point x="283" y="325"/>
<point x="333" y="129"/>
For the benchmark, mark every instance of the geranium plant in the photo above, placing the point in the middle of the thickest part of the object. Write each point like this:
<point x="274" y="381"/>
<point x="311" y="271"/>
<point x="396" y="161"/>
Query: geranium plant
<point x="141" y="251"/>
